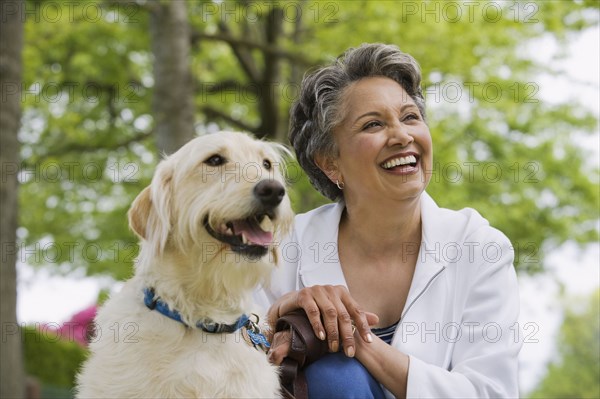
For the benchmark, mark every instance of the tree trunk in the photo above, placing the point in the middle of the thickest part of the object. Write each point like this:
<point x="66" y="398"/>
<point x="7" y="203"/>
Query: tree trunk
<point x="173" y="102"/>
<point x="296" y="72"/>
<point x="270" y="86"/>
<point x="12" y="375"/>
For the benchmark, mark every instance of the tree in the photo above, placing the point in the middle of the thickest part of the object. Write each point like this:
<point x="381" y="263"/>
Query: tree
<point x="109" y="84"/>
<point x="576" y="373"/>
<point x="91" y="108"/>
<point x="173" y="105"/>
<point x="498" y="147"/>
<point x="11" y="44"/>
<point x="261" y="37"/>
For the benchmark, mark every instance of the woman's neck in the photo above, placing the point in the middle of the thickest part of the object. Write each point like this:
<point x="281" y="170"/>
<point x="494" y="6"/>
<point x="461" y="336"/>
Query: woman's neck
<point x="383" y="229"/>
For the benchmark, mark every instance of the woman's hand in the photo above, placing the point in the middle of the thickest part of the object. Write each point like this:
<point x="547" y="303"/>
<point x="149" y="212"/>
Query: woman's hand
<point x="333" y="314"/>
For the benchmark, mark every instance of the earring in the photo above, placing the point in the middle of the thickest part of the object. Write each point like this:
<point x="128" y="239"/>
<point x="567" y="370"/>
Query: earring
<point x="340" y="184"/>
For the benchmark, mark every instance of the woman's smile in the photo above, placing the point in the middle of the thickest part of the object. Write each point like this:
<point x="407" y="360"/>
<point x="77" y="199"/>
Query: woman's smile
<point x="405" y="163"/>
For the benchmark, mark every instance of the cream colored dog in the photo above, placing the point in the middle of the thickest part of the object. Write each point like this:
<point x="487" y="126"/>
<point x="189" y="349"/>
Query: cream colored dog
<point x="179" y="328"/>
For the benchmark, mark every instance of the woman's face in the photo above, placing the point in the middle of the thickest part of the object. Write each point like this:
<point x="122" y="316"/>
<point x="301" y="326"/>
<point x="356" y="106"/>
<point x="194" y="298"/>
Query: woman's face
<point x="384" y="144"/>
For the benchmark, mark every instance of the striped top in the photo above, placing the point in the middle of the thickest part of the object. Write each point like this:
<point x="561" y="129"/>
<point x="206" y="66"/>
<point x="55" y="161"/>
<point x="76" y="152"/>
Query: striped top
<point x="386" y="333"/>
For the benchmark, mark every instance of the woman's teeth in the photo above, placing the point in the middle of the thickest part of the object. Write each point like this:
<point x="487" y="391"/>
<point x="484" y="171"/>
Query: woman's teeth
<point x="401" y="161"/>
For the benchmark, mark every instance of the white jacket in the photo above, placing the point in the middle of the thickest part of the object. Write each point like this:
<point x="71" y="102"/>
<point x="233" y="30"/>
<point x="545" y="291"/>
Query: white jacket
<point x="459" y="323"/>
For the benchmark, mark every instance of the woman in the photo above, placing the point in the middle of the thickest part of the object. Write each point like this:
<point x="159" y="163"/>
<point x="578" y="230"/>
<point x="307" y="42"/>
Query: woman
<point x="414" y="300"/>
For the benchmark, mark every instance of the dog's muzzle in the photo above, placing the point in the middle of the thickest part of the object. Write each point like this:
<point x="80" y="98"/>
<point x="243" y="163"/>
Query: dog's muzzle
<point x="252" y="235"/>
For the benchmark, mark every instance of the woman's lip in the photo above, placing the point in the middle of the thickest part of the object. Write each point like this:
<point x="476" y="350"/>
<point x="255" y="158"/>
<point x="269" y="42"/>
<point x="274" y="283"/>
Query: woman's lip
<point x="404" y="170"/>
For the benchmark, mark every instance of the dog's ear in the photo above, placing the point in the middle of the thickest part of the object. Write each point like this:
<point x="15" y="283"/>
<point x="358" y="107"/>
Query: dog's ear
<point x="160" y="217"/>
<point x="139" y="212"/>
<point x="150" y="212"/>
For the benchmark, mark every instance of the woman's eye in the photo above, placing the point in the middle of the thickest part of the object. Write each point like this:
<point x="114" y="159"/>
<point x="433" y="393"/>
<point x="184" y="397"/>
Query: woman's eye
<point x="411" y="117"/>
<point x="215" y="160"/>
<point x="267" y="164"/>
<point x="372" y="124"/>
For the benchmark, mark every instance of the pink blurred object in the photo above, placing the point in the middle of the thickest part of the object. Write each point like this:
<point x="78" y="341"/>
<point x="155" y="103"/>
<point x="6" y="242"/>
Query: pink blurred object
<point x="79" y="328"/>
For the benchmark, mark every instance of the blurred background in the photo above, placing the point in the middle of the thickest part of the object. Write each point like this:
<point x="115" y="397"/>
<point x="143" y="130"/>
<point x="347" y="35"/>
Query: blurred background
<point x="93" y="92"/>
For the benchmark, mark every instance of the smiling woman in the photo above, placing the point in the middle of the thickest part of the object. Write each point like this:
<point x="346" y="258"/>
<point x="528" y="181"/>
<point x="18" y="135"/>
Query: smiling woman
<point x="418" y="300"/>
<point x="385" y="142"/>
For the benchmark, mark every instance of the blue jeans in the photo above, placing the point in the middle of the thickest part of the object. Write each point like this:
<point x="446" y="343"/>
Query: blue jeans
<point x="337" y="376"/>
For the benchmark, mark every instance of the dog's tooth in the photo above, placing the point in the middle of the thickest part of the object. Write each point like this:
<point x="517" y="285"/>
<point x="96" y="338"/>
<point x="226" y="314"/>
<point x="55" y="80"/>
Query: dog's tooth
<point x="227" y="228"/>
<point x="266" y="224"/>
<point x="244" y="239"/>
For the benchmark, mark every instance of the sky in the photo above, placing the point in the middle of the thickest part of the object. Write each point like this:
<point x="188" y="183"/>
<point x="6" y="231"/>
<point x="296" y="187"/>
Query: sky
<point x="44" y="297"/>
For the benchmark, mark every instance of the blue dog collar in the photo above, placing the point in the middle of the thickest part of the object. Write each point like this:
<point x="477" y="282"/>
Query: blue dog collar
<point x="152" y="302"/>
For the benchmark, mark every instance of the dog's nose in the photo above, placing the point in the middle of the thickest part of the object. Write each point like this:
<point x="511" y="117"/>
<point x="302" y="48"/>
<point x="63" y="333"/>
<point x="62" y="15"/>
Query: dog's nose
<point x="269" y="192"/>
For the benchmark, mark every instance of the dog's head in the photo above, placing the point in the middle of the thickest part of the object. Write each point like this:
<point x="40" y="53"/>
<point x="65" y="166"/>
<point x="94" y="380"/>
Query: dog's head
<point x="219" y="192"/>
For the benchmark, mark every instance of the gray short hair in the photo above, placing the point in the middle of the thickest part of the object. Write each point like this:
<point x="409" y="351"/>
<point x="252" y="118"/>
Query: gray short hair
<point x="317" y="111"/>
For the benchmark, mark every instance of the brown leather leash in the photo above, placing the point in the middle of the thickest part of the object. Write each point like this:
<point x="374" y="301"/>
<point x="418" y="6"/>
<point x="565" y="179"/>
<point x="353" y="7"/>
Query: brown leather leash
<point x="306" y="348"/>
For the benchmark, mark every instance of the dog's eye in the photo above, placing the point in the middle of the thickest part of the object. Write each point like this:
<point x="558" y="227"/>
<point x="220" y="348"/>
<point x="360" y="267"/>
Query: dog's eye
<point x="267" y="164"/>
<point x="215" y="160"/>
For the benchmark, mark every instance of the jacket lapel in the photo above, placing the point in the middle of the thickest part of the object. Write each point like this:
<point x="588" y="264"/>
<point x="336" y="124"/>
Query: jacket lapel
<point x="320" y="263"/>
<point x="431" y="260"/>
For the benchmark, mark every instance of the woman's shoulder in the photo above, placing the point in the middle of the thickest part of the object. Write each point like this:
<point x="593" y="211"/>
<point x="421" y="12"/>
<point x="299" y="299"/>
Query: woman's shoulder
<point x="466" y="223"/>
<point x="321" y="217"/>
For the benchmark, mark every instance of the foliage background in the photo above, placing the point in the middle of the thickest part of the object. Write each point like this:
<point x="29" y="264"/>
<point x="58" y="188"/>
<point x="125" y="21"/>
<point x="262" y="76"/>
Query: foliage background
<point x="93" y="124"/>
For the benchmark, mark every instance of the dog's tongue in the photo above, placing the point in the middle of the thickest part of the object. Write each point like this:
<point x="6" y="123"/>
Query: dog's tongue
<point x="253" y="232"/>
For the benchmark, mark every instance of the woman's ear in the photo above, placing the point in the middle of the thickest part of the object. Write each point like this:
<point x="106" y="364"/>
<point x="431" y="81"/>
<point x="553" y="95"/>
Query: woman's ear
<point x="329" y="166"/>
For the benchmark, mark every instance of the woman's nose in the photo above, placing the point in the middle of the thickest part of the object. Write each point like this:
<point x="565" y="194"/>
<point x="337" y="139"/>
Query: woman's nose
<point x="399" y="135"/>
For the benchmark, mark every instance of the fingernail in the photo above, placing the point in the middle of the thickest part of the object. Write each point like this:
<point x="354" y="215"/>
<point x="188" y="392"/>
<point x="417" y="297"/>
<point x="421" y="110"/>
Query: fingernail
<point x="350" y="351"/>
<point x="321" y="335"/>
<point x="369" y="338"/>
<point x="334" y="346"/>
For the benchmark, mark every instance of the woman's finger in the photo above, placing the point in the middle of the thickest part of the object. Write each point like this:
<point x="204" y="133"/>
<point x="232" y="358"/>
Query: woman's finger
<point x="346" y="328"/>
<point x="361" y="320"/>
<point x="327" y="315"/>
<point x="302" y="299"/>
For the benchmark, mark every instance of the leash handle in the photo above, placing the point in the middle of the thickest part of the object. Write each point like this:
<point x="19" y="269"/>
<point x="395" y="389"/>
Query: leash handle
<point x="306" y="348"/>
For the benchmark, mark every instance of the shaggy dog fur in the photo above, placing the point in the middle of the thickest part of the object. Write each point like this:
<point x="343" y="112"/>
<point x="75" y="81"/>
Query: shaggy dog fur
<point x="208" y="223"/>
